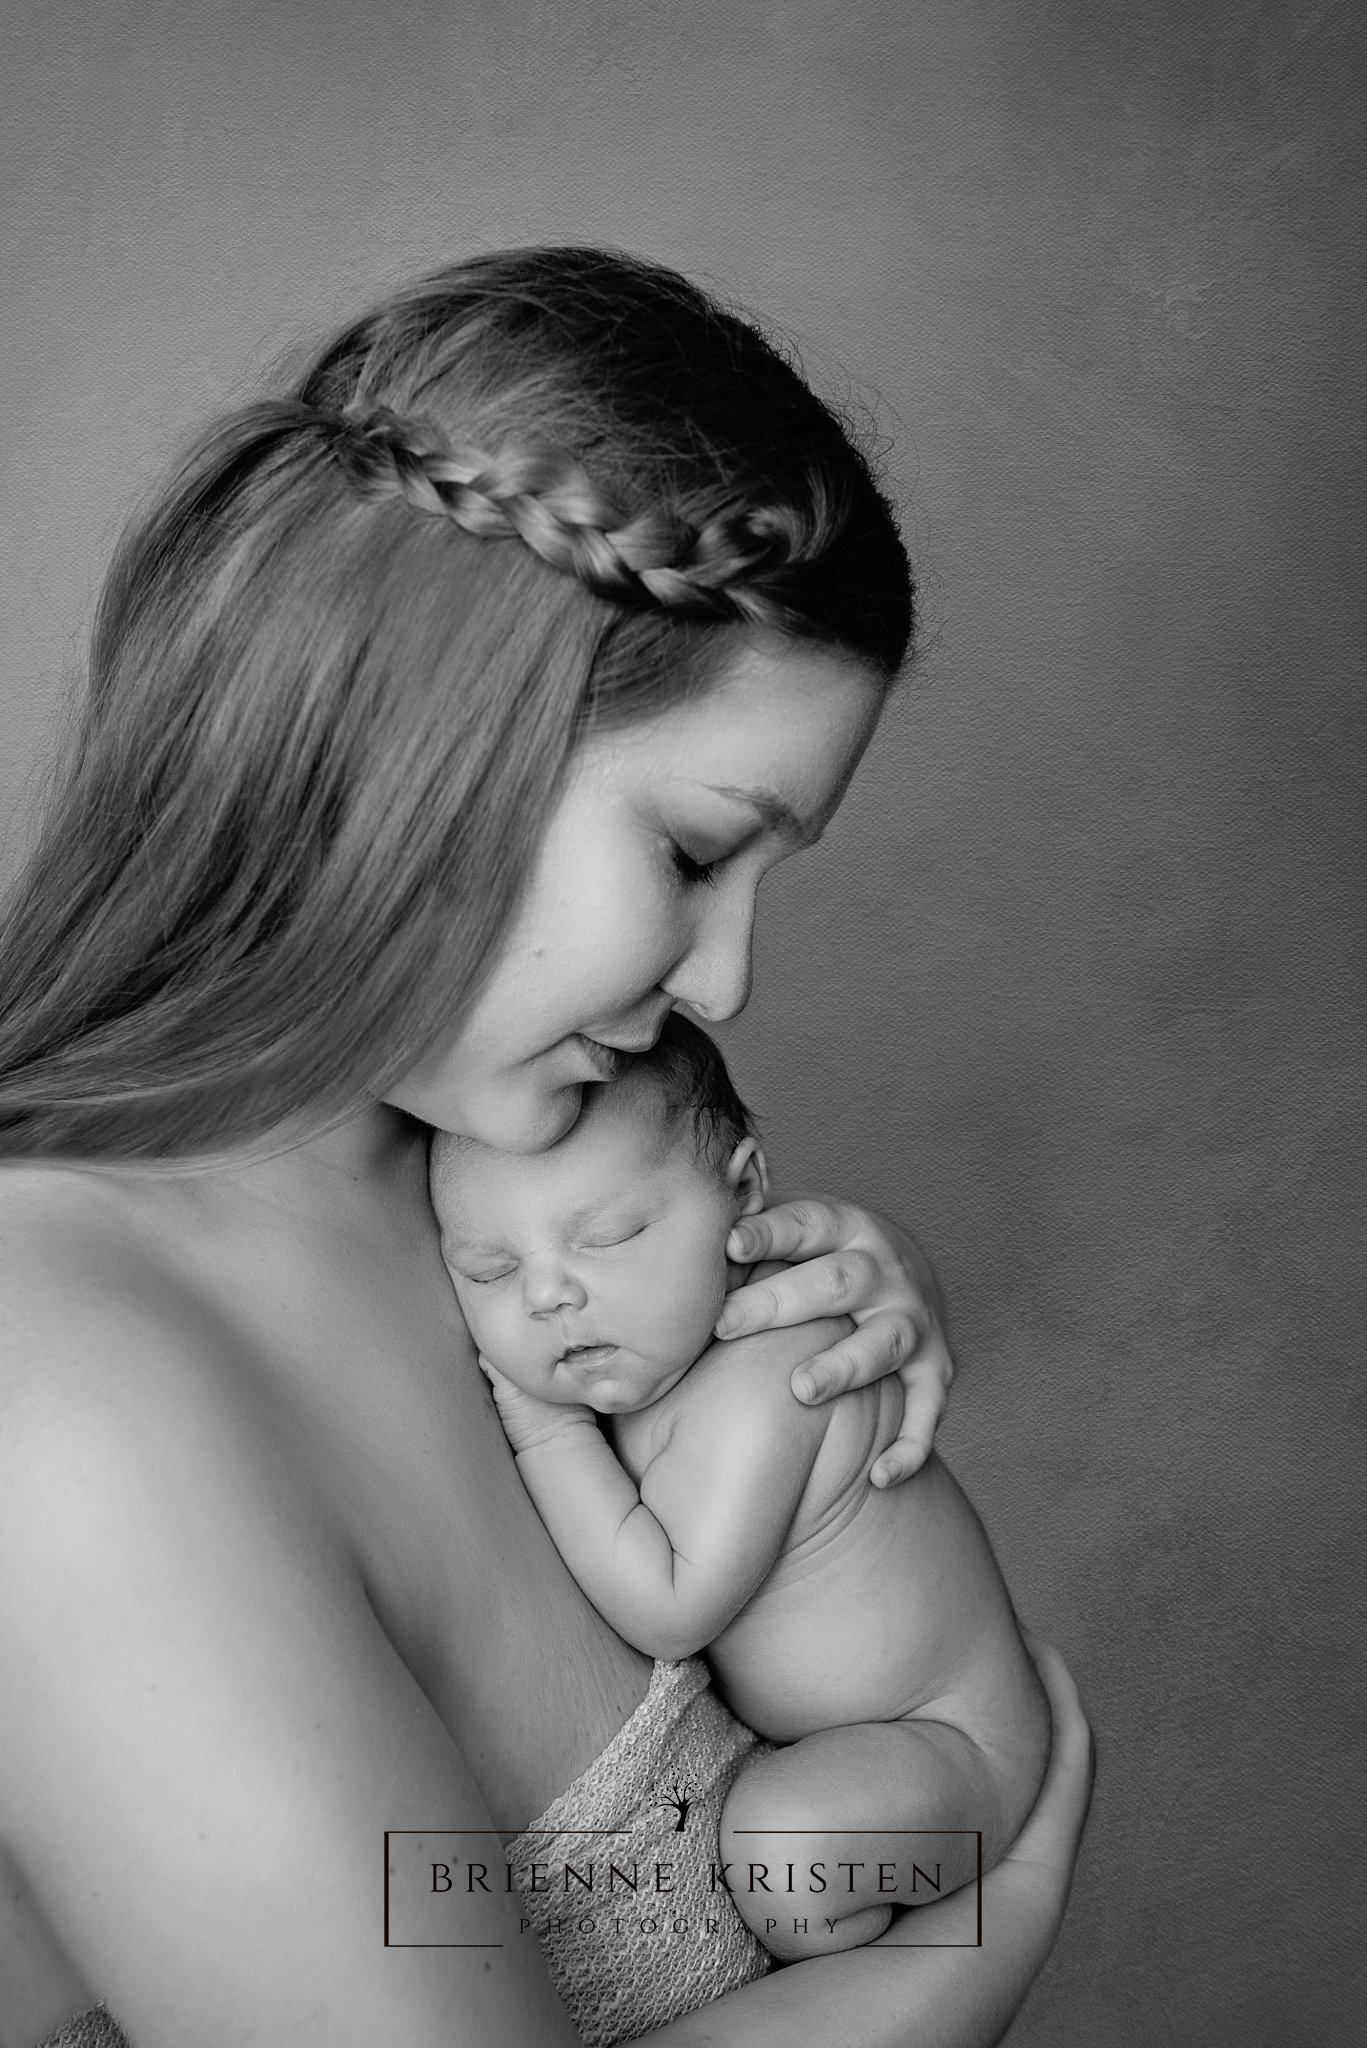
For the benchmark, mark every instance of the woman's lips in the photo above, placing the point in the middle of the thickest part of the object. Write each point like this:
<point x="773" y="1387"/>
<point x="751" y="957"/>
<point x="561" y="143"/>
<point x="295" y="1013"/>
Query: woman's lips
<point x="607" y="1061"/>
<point x="611" y="1057"/>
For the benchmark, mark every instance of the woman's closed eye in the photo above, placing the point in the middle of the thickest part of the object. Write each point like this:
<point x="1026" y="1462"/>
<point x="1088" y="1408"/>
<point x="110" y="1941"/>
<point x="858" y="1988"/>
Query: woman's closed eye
<point x="693" y="865"/>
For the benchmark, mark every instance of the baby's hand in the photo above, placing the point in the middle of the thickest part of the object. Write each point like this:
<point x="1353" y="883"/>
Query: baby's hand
<point x="847" y="1261"/>
<point x="527" y="1422"/>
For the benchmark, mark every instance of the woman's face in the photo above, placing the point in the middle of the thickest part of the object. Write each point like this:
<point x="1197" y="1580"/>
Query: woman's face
<point x="643" y="892"/>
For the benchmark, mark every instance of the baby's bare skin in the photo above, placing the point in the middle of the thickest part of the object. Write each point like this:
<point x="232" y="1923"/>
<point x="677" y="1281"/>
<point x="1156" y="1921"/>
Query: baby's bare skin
<point x="868" y="1629"/>
<point x="852" y="1622"/>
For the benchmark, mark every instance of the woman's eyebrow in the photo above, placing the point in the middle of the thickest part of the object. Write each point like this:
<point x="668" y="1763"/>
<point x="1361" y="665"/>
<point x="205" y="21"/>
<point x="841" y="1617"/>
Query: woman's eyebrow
<point x="779" y="816"/>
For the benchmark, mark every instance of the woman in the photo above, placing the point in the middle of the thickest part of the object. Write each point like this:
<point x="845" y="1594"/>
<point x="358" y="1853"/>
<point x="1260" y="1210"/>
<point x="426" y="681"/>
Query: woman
<point x="444" y="717"/>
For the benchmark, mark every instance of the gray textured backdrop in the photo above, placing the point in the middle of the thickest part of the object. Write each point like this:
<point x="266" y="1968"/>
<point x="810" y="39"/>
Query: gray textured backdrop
<point x="1078" y="986"/>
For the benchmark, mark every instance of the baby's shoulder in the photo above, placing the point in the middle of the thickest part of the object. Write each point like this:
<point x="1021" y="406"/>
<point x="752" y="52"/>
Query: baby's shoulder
<point x="746" y="1383"/>
<point x="740" y="1388"/>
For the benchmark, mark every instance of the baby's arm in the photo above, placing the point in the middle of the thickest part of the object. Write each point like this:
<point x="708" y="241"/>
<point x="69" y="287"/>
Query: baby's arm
<point x="671" y="1562"/>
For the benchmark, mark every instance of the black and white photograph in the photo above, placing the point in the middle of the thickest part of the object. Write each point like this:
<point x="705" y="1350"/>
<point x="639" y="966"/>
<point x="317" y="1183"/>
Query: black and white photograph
<point x="683" y="1023"/>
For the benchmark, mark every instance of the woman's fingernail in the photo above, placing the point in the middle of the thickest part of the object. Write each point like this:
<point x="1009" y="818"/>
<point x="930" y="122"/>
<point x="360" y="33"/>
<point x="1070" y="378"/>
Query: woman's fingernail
<point x="740" y="1244"/>
<point x="726" y="1322"/>
<point x="805" y="1387"/>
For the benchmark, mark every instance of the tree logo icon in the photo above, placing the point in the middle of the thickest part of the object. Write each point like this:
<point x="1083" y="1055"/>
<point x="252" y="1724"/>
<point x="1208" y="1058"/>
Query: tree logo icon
<point x="677" y="1798"/>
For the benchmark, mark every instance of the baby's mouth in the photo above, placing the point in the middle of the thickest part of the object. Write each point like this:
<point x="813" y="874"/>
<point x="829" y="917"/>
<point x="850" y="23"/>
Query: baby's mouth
<point x="587" y="1354"/>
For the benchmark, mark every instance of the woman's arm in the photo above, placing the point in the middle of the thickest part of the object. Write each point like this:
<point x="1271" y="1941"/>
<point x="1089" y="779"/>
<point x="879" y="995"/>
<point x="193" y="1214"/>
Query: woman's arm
<point x="890" y="1995"/>
<point x="848" y="1261"/>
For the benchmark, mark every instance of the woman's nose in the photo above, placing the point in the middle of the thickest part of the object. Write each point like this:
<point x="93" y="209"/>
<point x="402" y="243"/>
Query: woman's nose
<point x="548" y="1286"/>
<point x="713" y="977"/>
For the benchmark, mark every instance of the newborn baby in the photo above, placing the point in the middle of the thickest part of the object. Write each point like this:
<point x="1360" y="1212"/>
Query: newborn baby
<point x="868" y="1631"/>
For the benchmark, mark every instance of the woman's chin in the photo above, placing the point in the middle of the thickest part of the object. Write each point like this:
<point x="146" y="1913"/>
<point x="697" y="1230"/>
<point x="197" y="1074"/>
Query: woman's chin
<point x="506" y="1120"/>
<point x="526" y="1125"/>
<point x="555" y="1122"/>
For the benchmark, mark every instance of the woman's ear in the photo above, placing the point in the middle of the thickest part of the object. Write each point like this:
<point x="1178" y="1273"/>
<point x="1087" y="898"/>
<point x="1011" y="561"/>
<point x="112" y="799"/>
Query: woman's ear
<point x="747" y="1176"/>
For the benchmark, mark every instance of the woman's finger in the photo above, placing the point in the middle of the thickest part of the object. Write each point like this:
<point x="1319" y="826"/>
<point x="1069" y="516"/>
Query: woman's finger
<point x="1050" y="1835"/>
<point x="925" y="1399"/>
<point x="832" y="1285"/>
<point x="864" y="1357"/>
<point x="881" y="1344"/>
<point x="1071" y="1727"/>
<point x="800" y="1229"/>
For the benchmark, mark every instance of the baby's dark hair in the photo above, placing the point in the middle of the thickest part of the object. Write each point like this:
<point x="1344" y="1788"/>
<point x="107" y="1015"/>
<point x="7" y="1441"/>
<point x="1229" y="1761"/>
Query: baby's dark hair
<point x="687" y="1073"/>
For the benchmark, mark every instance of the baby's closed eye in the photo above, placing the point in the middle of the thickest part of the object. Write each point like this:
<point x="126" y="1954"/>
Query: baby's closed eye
<point x="608" y="1235"/>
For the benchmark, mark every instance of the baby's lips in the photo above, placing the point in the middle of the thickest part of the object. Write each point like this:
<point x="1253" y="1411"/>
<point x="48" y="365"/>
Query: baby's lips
<point x="576" y="1351"/>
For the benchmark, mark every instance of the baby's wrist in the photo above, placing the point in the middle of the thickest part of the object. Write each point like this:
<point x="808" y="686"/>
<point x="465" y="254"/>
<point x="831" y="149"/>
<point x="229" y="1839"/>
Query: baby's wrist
<point x="568" y="1428"/>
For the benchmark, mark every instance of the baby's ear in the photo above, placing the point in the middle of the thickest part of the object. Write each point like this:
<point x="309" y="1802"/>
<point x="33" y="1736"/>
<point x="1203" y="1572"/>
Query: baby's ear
<point x="747" y="1176"/>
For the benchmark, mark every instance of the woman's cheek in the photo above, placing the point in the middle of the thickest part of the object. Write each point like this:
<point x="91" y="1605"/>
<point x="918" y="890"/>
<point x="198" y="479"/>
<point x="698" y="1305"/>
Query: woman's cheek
<point x="629" y="924"/>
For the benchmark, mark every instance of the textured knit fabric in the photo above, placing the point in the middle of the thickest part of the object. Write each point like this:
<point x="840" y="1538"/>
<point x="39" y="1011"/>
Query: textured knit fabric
<point x="624" y="1961"/>
<point x="628" y="1960"/>
<point x="93" y="2029"/>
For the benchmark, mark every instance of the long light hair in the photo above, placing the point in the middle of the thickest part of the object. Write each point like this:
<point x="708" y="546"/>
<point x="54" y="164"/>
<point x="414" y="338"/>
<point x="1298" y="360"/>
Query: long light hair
<point x="339" y="667"/>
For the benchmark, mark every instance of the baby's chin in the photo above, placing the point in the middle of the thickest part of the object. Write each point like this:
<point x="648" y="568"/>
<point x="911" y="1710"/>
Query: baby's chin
<point x="624" y="1392"/>
<point x="618" y="1400"/>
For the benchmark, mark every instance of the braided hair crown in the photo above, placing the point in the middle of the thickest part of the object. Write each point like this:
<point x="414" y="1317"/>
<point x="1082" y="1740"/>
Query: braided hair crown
<point x="343" y="660"/>
<point x="628" y="430"/>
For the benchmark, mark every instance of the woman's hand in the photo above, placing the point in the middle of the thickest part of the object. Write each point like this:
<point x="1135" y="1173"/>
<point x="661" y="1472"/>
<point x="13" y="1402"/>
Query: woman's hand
<point x="1051" y="1836"/>
<point x="847" y="1261"/>
<point x="1024" y="1895"/>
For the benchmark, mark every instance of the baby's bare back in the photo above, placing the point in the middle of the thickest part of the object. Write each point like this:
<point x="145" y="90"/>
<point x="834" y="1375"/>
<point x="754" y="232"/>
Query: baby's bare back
<point x="880" y="1604"/>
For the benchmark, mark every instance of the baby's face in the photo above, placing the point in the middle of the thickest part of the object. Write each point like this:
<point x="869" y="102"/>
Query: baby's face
<point x="593" y="1272"/>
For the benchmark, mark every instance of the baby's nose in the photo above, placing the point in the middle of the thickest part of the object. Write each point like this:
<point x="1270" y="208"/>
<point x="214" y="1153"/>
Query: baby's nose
<point x="548" y="1286"/>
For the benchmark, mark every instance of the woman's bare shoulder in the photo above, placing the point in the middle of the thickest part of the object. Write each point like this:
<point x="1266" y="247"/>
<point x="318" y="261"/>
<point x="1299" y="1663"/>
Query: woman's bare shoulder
<point x="86" y="1290"/>
<point x="119" y="1380"/>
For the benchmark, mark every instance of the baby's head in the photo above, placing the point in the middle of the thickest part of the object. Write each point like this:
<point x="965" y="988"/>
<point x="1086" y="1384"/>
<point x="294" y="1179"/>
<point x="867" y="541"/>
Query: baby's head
<point x="594" y="1272"/>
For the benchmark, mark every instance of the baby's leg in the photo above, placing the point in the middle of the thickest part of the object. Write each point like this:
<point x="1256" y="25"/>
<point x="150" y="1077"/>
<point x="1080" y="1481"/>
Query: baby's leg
<point x="822" y="1839"/>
